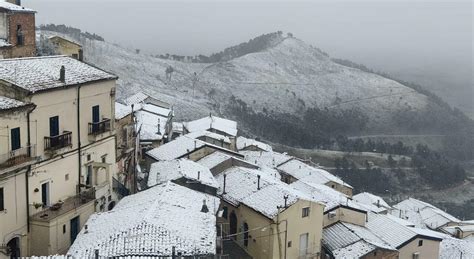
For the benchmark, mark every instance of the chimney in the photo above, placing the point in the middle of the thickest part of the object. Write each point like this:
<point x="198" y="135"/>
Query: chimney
<point x="223" y="189"/>
<point x="62" y="74"/>
<point x="258" y="182"/>
<point x="81" y="55"/>
<point x="85" y="229"/>
<point x="286" y="200"/>
<point x="204" y="208"/>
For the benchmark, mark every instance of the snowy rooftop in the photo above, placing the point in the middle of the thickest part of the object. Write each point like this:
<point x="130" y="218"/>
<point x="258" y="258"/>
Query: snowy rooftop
<point x="307" y="173"/>
<point x="322" y="193"/>
<point x="8" y="103"/>
<point x="164" y="171"/>
<point x="4" y="43"/>
<point x="242" y="188"/>
<point x="453" y="248"/>
<point x="212" y="122"/>
<point x="42" y="73"/>
<point x="394" y="233"/>
<point x="149" y="122"/>
<point x="371" y="202"/>
<point x="137" y="98"/>
<point x="150" y="223"/>
<point x="157" y="110"/>
<point x="176" y="148"/>
<point x="212" y="135"/>
<point x="122" y="111"/>
<point x="422" y="214"/>
<point x="347" y="240"/>
<point x="243" y="142"/>
<point x="212" y="160"/>
<point x="269" y="159"/>
<point x="15" y="8"/>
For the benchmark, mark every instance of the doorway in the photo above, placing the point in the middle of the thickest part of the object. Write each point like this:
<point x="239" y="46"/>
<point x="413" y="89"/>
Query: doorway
<point x="233" y="224"/>
<point x="75" y="227"/>
<point x="13" y="247"/>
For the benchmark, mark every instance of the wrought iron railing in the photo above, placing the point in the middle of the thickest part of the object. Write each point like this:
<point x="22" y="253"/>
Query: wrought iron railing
<point x="18" y="156"/>
<point x="99" y="127"/>
<point x="59" y="141"/>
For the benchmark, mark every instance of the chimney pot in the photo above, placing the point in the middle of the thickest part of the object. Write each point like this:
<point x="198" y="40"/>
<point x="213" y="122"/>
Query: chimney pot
<point x="62" y="74"/>
<point x="204" y="208"/>
<point x="81" y="55"/>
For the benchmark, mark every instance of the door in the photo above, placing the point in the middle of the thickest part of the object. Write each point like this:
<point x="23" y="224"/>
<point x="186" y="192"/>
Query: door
<point x="15" y="135"/>
<point x="54" y="126"/>
<point x="13" y="247"/>
<point x="54" y="131"/>
<point x="45" y="194"/>
<point x="303" y="244"/>
<point x="74" y="228"/>
<point x="233" y="224"/>
<point x="95" y="118"/>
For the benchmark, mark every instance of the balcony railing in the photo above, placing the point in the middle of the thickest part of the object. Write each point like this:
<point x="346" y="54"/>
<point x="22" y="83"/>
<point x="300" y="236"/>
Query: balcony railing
<point x="59" y="141"/>
<point x="17" y="156"/>
<point x="100" y="127"/>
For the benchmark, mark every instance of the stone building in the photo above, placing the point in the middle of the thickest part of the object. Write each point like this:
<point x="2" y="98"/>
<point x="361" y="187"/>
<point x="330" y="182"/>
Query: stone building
<point x="17" y="31"/>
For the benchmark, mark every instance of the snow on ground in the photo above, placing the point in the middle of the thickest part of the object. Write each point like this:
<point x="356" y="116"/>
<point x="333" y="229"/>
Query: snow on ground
<point x="277" y="78"/>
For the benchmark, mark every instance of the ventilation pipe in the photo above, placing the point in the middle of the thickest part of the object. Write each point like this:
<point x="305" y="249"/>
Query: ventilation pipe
<point x="199" y="174"/>
<point x="62" y="74"/>
<point x="223" y="189"/>
<point x="286" y="200"/>
<point x="258" y="182"/>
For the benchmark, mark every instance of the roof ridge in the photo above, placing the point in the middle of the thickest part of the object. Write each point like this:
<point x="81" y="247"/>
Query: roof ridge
<point x="37" y="57"/>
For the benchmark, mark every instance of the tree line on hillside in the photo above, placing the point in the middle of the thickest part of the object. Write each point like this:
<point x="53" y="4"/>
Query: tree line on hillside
<point x="71" y="31"/>
<point x="256" y="44"/>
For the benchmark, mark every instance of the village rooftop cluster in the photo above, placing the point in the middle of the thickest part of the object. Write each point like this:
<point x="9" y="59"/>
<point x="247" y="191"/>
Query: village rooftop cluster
<point x="86" y="175"/>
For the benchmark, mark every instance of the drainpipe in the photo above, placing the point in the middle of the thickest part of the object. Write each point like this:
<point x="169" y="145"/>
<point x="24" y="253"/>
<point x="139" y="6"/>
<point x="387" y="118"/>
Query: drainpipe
<point x="28" y="170"/>
<point x="79" y="154"/>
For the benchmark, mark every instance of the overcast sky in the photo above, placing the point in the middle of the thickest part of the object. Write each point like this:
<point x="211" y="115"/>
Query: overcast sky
<point x="430" y="41"/>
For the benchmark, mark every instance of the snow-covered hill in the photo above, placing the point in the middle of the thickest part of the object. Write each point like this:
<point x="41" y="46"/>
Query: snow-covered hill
<point x="289" y="77"/>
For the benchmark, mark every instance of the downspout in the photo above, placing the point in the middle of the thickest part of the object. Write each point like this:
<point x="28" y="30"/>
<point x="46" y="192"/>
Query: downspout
<point x="79" y="153"/>
<point x="28" y="170"/>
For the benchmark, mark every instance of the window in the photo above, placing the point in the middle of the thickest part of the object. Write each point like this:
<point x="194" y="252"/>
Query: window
<point x="15" y="135"/>
<point x="289" y="243"/>
<point x="333" y="186"/>
<point x="19" y="35"/>
<point x="66" y="177"/>
<point x="420" y="242"/>
<point x="224" y="212"/>
<point x="104" y="159"/>
<point x="88" y="157"/>
<point x="89" y="176"/>
<point x="305" y="212"/>
<point x="45" y="194"/>
<point x="2" y="204"/>
<point x="64" y="229"/>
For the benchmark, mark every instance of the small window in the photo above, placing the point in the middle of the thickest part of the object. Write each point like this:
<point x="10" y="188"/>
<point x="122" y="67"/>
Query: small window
<point x="333" y="186"/>
<point x="305" y="212"/>
<point x="2" y="204"/>
<point x="104" y="159"/>
<point x="64" y="229"/>
<point x="66" y="177"/>
<point x="224" y="212"/>
<point x="289" y="243"/>
<point x="88" y="157"/>
<point x="420" y="242"/>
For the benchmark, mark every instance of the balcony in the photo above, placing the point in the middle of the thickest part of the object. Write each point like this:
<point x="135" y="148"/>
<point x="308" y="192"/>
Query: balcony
<point x="18" y="157"/>
<point x="60" y="208"/>
<point x="98" y="130"/>
<point x="57" y="142"/>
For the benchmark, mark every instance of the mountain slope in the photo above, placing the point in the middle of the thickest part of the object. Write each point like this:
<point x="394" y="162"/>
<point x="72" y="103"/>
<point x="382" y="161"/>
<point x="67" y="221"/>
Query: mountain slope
<point x="288" y="77"/>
